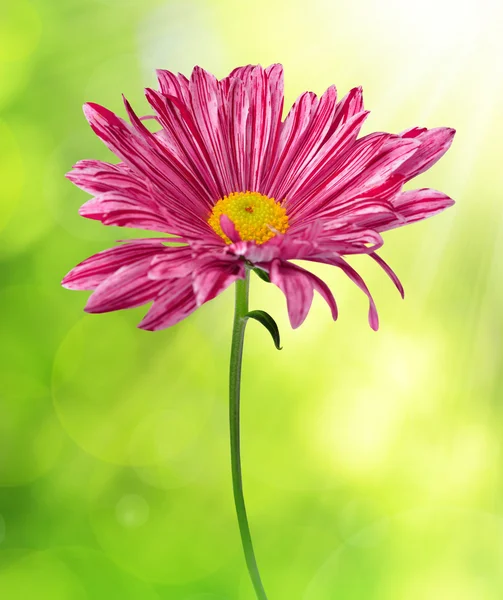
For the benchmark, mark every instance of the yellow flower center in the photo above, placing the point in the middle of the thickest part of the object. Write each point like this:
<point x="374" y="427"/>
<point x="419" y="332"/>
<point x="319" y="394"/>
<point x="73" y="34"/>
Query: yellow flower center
<point x="256" y="217"/>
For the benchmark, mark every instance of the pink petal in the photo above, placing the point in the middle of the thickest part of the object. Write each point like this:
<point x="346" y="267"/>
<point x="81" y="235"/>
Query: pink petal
<point x="180" y="172"/>
<point x="213" y="275"/>
<point x="347" y="108"/>
<point x="357" y="279"/>
<point x="360" y="213"/>
<point x="394" y="153"/>
<point x="174" y="302"/>
<point x="94" y="270"/>
<point x="121" y="139"/>
<point x="258" y="253"/>
<point x="252" y="117"/>
<point x="307" y="146"/>
<point x="379" y="179"/>
<point x="389" y="271"/>
<point x="128" y="287"/>
<point x="434" y="143"/>
<point x="173" y="263"/>
<point x="141" y="151"/>
<point x="174" y="85"/>
<point x="259" y="125"/>
<point x="348" y="166"/>
<point x="290" y="139"/>
<point x="206" y="110"/>
<point x="96" y="177"/>
<point x="322" y="164"/>
<point x="416" y="205"/>
<point x="343" y="130"/>
<point x="366" y="172"/>
<point x="242" y="73"/>
<point x="275" y="81"/>
<point x="236" y="123"/>
<point x="298" y="285"/>
<point x="181" y="137"/>
<point x="123" y="210"/>
<point x="229" y="229"/>
<point x="347" y="240"/>
<point x="298" y="243"/>
<point x="310" y="241"/>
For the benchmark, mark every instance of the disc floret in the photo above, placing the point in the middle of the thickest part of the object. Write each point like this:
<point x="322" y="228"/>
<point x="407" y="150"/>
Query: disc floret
<point x="256" y="217"/>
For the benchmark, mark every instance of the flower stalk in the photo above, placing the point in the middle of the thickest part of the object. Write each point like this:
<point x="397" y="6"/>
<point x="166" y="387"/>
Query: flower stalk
<point x="238" y="333"/>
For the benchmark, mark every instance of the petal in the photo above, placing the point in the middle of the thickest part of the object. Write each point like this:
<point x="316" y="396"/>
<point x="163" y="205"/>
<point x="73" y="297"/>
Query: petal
<point x="359" y="214"/>
<point x="242" y="73"/>
<point x="259" y="125"/>
<point x="229" y="229"/>
<point x="389" y="271"/>
<point x="174" y="302"/>
<point x="94" y="270"/>
<point x="173" y="263"/>
<point x="368" y="171"/>
<point x="298" y="285"/>
<point x="298" y="243"/>
<point x="128" y="287"/>
<point x="394" y="153"/>
<point x="237" y="118"/>
<point x="126" y="210"/>
<point x="347" y="240"/>
<point x="347" y="108"/>
<point x="180" y="174"/>
<point x="173" y="85"/>
<point x="310" y="241"/>
<point x="276" y="89"/>
<point x="434" y="143"/>
<point x="290" y="137"/>
<point x="324" y="160"/>
<point x="380" y="179"/>
<point x="252" y="117"/>
<point x="344" y="128"/>
<point x="356" y="278"/>
<point x="180" y="136"/>
<point x="416" y="205"/>
<point x="96" y="177"/>
<point x="166" y="178"/>
<point x="206" y="110"/>
<point x="121" y="139"/>
<point x="338" y="261"/>
<point x="308" y="145"/>
<point x="347" y="166"/>
<point x="214" y="274"/>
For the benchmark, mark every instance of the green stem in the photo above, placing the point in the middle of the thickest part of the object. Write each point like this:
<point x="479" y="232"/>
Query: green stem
<point x="238" y="334"/>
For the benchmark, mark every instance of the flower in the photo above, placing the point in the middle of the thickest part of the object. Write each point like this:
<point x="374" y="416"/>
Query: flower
<point x="237" y="187"/>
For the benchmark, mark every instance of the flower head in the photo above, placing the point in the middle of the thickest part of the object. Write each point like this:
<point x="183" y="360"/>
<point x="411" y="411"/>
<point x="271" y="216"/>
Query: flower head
<point x="236" y="186"/>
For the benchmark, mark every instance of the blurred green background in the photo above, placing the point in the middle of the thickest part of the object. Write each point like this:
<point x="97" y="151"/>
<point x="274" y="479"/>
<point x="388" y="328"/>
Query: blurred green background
<point x="373" y="462"/>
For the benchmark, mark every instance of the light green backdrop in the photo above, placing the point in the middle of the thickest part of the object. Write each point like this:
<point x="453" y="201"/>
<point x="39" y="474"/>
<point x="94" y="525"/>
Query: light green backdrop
<point x="373" y="461"/>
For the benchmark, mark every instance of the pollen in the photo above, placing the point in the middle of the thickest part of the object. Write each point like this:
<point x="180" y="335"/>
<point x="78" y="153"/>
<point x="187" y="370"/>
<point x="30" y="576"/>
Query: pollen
<point x="256" y="217"/>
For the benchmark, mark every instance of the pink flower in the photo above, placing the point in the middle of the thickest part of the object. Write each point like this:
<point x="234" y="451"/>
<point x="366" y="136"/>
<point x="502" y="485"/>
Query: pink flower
<point x="238" y="187"/>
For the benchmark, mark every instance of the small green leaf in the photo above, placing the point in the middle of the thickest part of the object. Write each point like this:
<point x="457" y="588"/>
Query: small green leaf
<point x="262" y="274"/>
<point x="268" y="322"/>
